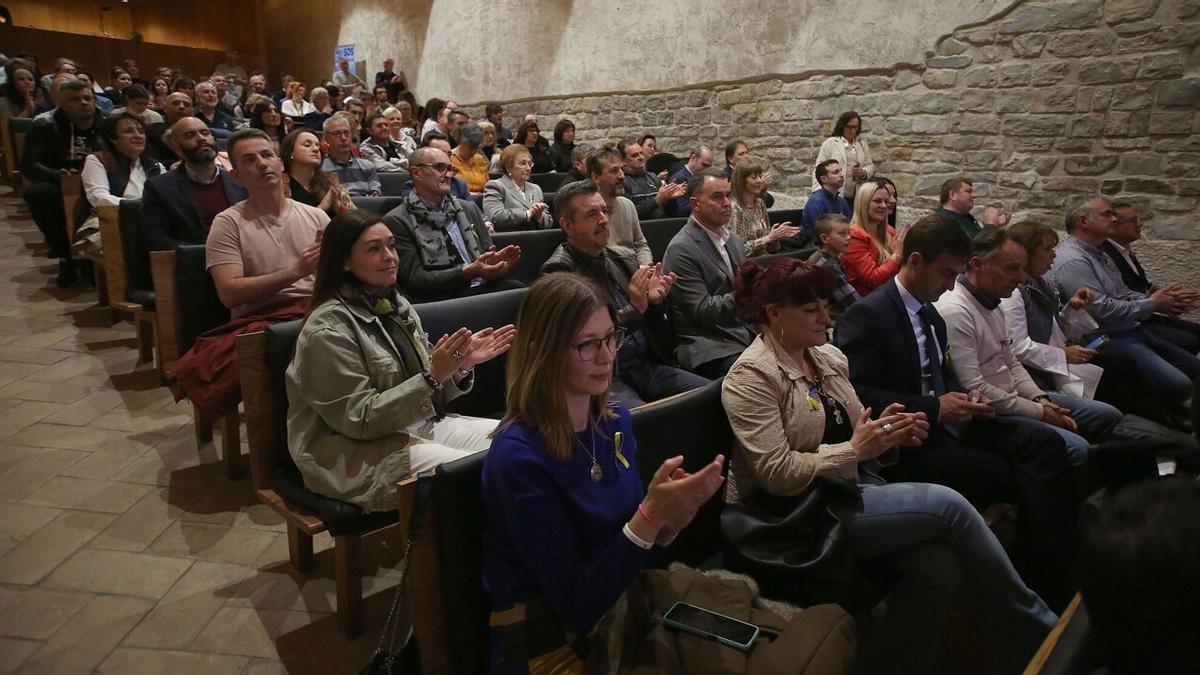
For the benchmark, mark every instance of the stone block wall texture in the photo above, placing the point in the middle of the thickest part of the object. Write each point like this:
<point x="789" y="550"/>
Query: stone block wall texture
<point x="1044" y="102"/>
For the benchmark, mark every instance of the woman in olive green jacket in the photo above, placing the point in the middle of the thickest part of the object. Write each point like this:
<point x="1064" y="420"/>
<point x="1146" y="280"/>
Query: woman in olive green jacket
<point x="366" y="389"/>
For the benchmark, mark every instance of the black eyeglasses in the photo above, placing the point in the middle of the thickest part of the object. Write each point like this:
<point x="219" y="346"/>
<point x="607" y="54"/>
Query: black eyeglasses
<point x="590" y="349"/>
<point x="440" y="167"/>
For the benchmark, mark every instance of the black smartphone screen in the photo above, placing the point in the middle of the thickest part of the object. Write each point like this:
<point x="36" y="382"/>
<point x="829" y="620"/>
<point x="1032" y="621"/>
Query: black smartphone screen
<point x="713" y="624"/>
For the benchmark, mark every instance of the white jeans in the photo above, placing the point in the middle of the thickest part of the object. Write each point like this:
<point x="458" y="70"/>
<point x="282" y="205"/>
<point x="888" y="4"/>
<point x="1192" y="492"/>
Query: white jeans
<point x="455" y="436"/>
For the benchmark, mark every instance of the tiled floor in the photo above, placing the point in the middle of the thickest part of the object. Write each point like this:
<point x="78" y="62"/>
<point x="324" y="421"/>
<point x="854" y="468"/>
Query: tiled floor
<point x="123" y="548"/>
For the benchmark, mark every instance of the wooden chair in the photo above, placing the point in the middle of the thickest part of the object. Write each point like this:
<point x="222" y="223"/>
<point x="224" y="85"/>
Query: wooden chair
<point x="72" y="195"/>
<point x="115" y="278"/>
<point x="175" y="335"/>
<point x="12" y="160"/>
<point x="17" y="130"/>
<point x="445" y="591"/>
<point x="1071" y="648"/>
<point x="263" y="357"/>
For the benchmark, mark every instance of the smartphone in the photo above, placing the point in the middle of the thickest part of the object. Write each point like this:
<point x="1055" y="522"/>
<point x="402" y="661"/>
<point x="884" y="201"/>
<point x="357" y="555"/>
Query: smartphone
<point x="1097" y="342"/>
<point x="708" y="624"/>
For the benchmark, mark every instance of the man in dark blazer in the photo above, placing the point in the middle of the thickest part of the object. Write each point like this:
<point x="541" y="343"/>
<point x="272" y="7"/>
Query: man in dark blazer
<point x="178" y="206"/>
<point x="444" y="246"/>
<point x="896" y="344"/>
<point x="1119" y="247"/>
<point x="705" y="257"/>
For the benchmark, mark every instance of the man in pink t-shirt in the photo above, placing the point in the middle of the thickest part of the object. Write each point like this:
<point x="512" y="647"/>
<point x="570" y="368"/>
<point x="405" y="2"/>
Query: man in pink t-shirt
<point x="262" y="254"/>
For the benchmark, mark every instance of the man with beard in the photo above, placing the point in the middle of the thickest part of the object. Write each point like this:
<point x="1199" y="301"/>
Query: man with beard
<point x="606" y="169"/>
<point x="178" y="206"/>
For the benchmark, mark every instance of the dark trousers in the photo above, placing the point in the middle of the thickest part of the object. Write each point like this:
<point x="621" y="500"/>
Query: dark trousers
<point x="717" y="368"/>
<point x="996" y="461"/>
<point x="1179" y="332"/>
<point x="492" y="287"/>
<point x="46" y="205"/>
<point x="641" y="379"/>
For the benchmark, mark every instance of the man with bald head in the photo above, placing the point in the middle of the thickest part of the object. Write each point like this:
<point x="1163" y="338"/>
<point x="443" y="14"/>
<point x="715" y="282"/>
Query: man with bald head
<point x="443" y="244"/>
<point x="177" y="107"/>
<point x="178" y="206"/>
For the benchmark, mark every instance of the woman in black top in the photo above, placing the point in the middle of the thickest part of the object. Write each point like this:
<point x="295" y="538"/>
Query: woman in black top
<point x="564" y="145"/>
<point x="529" y="135"/>
<point x="264" y="114"/>
<point x="306" y="183"/>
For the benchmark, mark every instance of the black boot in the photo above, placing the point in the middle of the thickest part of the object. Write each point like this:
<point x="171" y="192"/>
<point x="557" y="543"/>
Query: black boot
<point x="67" y="274"/>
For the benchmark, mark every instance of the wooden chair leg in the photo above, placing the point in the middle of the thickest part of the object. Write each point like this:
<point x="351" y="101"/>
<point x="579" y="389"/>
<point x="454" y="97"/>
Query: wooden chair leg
<point x="347" y="557"/>
<point x="204" y="430"/>
<point x="145" y="338"/>
<point x="231" y="442"/>
<point x="101" y="279"/>
<point x="300" y="548"/>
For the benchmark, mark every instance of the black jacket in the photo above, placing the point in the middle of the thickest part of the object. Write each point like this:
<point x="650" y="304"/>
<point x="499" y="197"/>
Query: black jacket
<point x="48" y="147"/>
<point x="170" y="213"/>
<point x="615" y="268"/>
<point x="1133" y="276"/>
<point x="877" y="338"/>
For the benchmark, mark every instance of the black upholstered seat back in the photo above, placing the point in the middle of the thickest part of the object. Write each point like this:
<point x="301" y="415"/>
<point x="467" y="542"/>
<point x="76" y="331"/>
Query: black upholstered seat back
<point x="392" y="183"/>
<point x="137" y="258"/>
<point x="659" y="232"/>
<point x="785" y="216"/>
<point x="536" y="248"/>
<point x="665" y="161"/>
<point x="694" y="425"/>
<point x="457" y="498"/>
<point x="200" y="306"/>
<point x="486" y="398"/>
<point x="377" y="205"/>
<point x="281" y="342"/>
<point x="550" y="182"/>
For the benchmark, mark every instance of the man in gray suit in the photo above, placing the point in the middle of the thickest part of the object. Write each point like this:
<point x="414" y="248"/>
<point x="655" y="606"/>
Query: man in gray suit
<point x="444" y="247"/>
<point x="705" y="256"/>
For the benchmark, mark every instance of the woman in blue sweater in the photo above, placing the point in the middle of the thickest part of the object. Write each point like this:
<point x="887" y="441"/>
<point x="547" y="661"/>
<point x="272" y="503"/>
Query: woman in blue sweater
<point x="569" y="525"/>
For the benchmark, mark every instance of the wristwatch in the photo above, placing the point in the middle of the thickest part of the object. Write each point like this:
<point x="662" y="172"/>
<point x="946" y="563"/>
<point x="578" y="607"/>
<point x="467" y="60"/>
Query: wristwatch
<point x="1041" y="398"/>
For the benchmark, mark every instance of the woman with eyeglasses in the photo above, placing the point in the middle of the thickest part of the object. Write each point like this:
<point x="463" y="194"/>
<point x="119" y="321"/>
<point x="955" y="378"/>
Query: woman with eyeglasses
<point x="366" y="387"/>
<point x="847" y="146"/>
<point x="512" y="202"/>
<point x="569" y="525"/>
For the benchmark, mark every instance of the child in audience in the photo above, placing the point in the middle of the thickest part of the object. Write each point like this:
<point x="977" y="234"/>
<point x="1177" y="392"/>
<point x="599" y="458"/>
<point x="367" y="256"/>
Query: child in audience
<point x="833" y="234"/>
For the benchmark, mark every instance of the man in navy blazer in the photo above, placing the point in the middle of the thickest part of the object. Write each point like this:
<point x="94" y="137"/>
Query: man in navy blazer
<point x="896" y="344"/>
<point x="179" y="206"/>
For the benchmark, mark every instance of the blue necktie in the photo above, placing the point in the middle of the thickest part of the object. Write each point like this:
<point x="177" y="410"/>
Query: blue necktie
<point x="936" y="377"/>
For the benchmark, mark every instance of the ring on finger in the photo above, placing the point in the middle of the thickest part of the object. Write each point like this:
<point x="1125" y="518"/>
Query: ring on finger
<point x="457" y="355"/>
<point x="887" y="428"/>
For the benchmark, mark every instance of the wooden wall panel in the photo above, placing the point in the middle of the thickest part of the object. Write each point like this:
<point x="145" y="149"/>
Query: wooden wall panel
<point x="100" y="54"/>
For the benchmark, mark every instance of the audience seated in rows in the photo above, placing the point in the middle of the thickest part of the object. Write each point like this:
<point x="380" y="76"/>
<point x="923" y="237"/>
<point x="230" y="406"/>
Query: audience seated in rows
<point x="305" y="181"/>
<point x="137" y="102"/>
<point x="644" y="370"/>
<point x="1040" y="322"/>
<point x="832" y="233"/>
<point x="873" y="256"/>
<point x="494" y="113"/>
<point x="579" y="162"/>
<point x="827" y="198"/>
<point x="178" y="106"/>
<point x="264" y="114"/>
<point x="442" y="242"/>
<point x="24" y="96"/>
<point x="897" y="346"/>
<point x="58" y="143"/>
<point x="1119" y="247"/>
<point x="849" y="148"/>
<point x="981" y="342"/>
<point x="703" y="256"/>
<point x="699" y="159"/>
<point x="958" y="198"/>
<point x="467" y="159"/>
<point x="735" y="152"/>
<point x="797" y="421"/>
<point x="356" y="174"/>
<point x="366" y="382"/>
<point x="606" y="169"/>
<point x="294" y="104"/>
<point x="261" y="253"/>
<point x="1164" y="371"/>
<point x="512" y="201"/>
<point x="652" y="197"/>
<point x="178" y="206"/>
<point x="119" y="171"/>
<point x="748" y="217"/>
<point x="379" y="148"/>
<point x="220" y="122"/>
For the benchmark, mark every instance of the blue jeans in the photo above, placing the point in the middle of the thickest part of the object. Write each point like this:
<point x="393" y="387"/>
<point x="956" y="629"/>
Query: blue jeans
<point x="1164" y="367"/>
<point x="934" y="541"/>
<point x="1095" y="419"/>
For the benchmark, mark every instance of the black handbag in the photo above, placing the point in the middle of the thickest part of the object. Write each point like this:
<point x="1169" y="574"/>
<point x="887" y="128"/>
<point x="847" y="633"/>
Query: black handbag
<point x="797" y="547"/>
<point x="390" y="659"/>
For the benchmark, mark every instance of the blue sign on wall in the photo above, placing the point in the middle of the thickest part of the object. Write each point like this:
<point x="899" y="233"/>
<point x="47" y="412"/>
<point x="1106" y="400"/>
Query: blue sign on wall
<point x="344" y="53"/>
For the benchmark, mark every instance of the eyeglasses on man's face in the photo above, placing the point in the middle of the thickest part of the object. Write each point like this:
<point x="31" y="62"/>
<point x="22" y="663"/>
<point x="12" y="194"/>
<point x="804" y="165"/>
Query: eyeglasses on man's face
<point x="440" y="167"/>
<point x="590" y="349"/>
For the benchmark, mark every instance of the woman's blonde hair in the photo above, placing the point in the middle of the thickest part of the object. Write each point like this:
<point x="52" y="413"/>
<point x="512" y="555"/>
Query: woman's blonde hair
<point x="878" y="233"/>
<point x="511" y="153"/>
<point x="555" y="308"/>
<point x="742" y="173"/>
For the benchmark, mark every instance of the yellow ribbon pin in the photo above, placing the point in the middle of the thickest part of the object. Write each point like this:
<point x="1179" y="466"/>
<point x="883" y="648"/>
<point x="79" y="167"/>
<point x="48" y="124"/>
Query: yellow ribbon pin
<point x="618" y="438"/>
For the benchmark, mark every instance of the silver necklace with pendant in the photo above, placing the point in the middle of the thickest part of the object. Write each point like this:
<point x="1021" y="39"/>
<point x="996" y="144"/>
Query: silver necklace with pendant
<point x="596" y="472"/>
<point x="826" y="399"/>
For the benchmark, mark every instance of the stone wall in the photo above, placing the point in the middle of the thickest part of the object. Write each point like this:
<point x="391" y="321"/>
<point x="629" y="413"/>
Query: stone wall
<point x="1045" y="101"/>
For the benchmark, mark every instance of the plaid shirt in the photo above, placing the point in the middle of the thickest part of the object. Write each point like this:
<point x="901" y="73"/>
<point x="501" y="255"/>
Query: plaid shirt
<point x="845" y="295"/>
